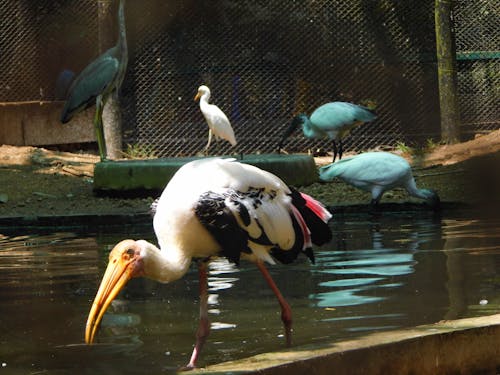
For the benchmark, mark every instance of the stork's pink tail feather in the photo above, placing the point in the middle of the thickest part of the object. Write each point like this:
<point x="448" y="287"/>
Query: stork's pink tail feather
<point x="303" y="226"/>
<point x="316" y="207"/>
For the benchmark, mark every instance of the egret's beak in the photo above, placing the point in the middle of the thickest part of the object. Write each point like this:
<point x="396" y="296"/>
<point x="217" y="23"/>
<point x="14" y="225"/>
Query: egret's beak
<point x="121" y="268"/>
<point x="197" y="96"/>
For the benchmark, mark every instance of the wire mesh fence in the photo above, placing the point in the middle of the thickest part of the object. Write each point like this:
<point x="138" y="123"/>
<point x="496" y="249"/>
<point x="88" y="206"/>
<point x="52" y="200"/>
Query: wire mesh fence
<point x="478" y="45"/>
<point x="41" y="39"/>
<point x="265" y="61"/>
<point x="265" y="65"/>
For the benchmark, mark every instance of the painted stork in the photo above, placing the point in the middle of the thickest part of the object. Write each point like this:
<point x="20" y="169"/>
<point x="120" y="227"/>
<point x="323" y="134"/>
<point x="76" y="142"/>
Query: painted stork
<point x="377" y="172"/>
<point x="97" y="81"/>
<point x="334" y="120"/>
<point x="218" y="123"/>
<point x="217" y="207"/>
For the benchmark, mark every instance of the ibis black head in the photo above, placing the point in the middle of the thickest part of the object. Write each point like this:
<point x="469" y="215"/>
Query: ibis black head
<point x="432" y="198"/>
<point x="296" y="122"/>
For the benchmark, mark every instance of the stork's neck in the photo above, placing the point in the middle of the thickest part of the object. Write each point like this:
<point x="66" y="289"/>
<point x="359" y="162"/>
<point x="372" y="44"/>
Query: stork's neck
<point x="122" y="34"/>
<point x="163" y="265"/>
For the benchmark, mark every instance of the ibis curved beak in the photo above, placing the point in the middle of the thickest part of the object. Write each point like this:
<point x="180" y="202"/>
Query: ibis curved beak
<point x="293" y="125"/>
<point x="118" y="272"/>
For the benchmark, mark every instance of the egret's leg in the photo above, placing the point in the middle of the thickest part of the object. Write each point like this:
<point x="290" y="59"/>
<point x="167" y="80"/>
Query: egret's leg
<point x="341" y="148"/>
<point x="209" y="141"/>
<point x="217" y="145"/>
<point x="204" y="325"/>
<point x="334" y="151"/>
<point x="286" y="311"/>
<point x="99" y="131"/>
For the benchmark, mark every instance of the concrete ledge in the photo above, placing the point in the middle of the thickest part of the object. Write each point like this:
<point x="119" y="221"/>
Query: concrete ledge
<point x="129" y="176"/>
<point x="465" y="346"/>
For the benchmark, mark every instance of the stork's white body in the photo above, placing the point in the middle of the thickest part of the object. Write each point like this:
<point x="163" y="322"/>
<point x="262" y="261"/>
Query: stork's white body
<point x="175" y="215"/>
<point x="217" y="207"/>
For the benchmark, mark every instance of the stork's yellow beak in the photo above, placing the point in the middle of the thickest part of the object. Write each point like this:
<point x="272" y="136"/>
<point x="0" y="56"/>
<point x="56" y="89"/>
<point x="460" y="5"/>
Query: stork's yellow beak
<point x="197" y="96"/>
<point x="120" y="269"/>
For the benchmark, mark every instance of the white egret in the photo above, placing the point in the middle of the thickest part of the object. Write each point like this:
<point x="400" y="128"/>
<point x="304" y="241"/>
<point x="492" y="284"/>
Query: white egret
<point x="218" y="123"/>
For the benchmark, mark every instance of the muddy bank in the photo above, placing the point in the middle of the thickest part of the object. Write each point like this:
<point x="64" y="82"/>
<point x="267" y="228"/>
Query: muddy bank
<point x="37" y="182"/>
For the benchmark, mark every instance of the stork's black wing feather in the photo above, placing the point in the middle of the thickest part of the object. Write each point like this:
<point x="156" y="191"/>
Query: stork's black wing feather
<point x="220" y="222"/>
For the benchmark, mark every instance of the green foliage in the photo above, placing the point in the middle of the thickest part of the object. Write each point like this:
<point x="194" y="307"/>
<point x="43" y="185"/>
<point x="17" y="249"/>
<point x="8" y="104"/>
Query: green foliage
<point x="371" y="104"/>
<point x="139" y="151"/>
<point x="430" y="145"/>
<point x="404" y="148"/>
<point x="417" y="151"/>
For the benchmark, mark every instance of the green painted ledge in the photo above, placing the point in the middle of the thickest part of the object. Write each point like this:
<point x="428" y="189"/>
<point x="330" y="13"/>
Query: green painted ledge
<point x="129" y="176"/>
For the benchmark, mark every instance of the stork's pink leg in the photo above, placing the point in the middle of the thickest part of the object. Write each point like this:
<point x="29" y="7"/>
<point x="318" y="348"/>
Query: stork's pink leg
<point x="286" y="311"/>
<point x="204" y="325"/>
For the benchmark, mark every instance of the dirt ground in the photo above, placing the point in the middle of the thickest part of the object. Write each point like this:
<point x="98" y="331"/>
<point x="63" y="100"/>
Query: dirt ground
<point x="37" y="182"/>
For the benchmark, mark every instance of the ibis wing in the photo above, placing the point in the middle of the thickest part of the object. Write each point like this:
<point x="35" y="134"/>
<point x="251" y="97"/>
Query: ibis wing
<point x="332" y="116"/>
<point x="378" y="168"/>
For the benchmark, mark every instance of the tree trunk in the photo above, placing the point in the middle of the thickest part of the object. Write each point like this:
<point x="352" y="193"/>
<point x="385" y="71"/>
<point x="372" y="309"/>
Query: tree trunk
<point x="447" y="72"/>
<point x="111" y="116"/>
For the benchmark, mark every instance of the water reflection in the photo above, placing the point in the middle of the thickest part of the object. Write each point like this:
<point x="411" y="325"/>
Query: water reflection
<point x="377" y="273"/>
<point x="361" y="273"/>
<point x="221" y="277"/>
<point x="380" y="271"/>
<point x="468" y="241"/>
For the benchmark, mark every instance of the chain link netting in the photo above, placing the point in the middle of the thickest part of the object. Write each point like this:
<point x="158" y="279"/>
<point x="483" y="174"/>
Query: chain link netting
<point x="478" y="44"/>
<point x="265" y="61"/>
<point x="264" y="65"/>
<point x="41" y="39"/>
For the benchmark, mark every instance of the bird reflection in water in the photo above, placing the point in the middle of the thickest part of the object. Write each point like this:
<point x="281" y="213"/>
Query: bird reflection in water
<point x="216" y="282"/>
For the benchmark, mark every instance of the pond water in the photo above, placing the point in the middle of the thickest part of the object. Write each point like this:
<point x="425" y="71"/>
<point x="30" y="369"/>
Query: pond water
<point x="378" y="273"/>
